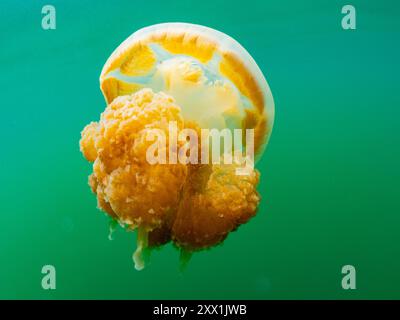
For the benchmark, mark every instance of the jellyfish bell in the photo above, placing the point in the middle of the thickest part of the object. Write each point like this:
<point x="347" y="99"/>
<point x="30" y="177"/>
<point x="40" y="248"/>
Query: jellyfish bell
<point x="210" y="75"/>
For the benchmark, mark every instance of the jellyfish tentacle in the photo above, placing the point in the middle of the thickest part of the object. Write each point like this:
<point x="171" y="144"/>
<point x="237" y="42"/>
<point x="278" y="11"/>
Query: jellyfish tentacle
<point x="141" y="246"/>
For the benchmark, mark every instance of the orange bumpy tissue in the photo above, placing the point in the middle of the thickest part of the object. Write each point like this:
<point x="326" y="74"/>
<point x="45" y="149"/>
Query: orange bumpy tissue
<point x="195" y="206"/>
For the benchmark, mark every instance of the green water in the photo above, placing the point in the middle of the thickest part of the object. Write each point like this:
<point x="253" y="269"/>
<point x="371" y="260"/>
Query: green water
<point x="330" y="175"/>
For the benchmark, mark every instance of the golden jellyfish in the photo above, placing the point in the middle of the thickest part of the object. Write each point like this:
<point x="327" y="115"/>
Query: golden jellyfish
<point x="162" y="81"/>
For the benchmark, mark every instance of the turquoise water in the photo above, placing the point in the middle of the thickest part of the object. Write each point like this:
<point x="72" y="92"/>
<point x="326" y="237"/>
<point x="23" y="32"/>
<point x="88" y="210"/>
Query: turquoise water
<point x="329" y="175"/>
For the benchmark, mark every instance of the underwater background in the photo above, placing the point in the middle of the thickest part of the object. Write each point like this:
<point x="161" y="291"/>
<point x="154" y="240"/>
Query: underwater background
<point x="329" y="177"/>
